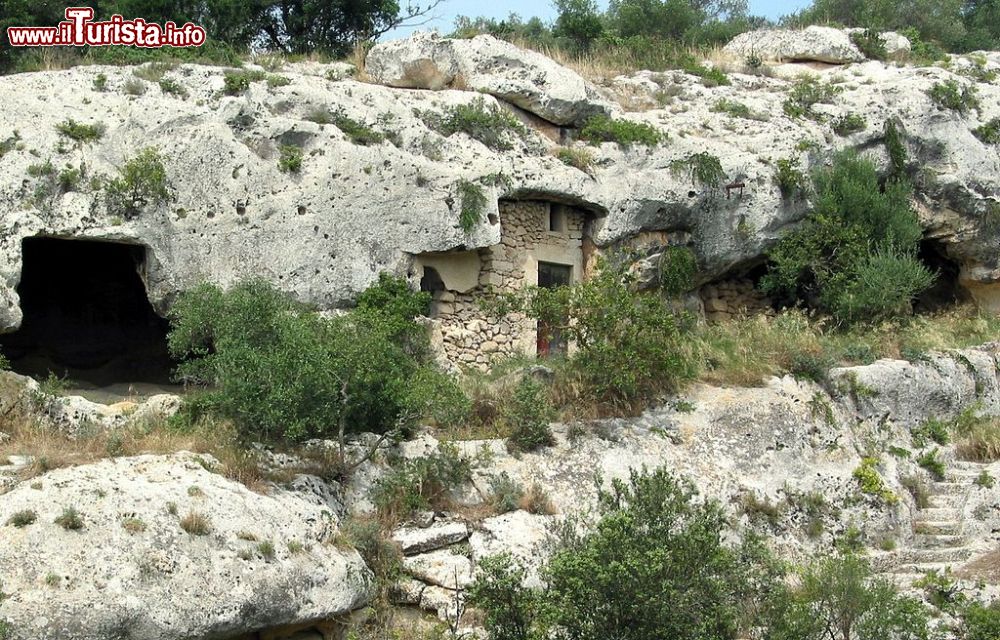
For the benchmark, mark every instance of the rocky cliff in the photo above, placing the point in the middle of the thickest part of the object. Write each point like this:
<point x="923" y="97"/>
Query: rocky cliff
<point x="352" y="210"/>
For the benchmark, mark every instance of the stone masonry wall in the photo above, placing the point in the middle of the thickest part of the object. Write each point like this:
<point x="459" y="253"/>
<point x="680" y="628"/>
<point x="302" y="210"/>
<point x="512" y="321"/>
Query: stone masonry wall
<point x="471" y="338"/>
<point x="732" y="298"/>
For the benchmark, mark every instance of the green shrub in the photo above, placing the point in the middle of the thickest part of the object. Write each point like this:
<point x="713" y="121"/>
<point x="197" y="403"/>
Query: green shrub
<point x="70" y="519"/>
<point x="290" y="158"/>
<point x="985" y="480"/>
<point x="418" y="484"/>
<point x="655" y="564"/>
<point x="951" y="95"/>
<point x="80" y="132"/>
<point x="702" y="168"/>
<point x="142" y="181"/>
<point x="847" y="124"/>
<point x="236" y="82"/>
<point x="22" y="519"/>
<point x="101" y="82"/>
<point x="528" y="414"/>
<point x="807" y="92"/>
<point x="472" y="201"/>
<point x="789" y="177"/>
<point x="981" y="622"/>
<point x="581" y="159"/>
<point x="283" y="372"/>
<point x="677" y="269"/>
<point x="929" y="460"/>
<point x="355" y="131"/>
<point x="624" y="132"/>
<point x="630" y="345"/>
<point x="896" y="149"/>
<point x="493" y="126"/>
<point x="732" y="107"/>
<point x="505" y="493"/>
<point x="870" y="43"/>
<point x="172" y="87"/>
<point x="839" y="598"/>
<point x="871" y="483"/>
<point x="274" y="81"/>
<point x="513" y="611"/>
<point x="854" y="256"/>
<point x="989" y="132"/>
<point x="933" y="429"/>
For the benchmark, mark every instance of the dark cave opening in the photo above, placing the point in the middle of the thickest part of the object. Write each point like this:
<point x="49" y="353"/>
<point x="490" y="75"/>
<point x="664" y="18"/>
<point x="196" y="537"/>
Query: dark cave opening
<point x="946" y="291"/>
<point x="86" y="315"/>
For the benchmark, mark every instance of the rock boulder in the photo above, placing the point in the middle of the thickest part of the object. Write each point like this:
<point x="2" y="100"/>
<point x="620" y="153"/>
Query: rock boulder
<point x="141" y="565"/>
<point x="525" y="78"/>
<point x="812" y="44"/>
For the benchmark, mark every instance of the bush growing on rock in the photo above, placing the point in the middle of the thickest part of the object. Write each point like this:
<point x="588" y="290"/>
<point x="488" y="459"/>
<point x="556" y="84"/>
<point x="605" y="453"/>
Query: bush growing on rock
<point x="416" y="484"/>
<point x="493" y="126"/>
<point x="528" y="414"/>
<point x="280" y="371"/>
<point x="838" y="598"/>
<point x="951" y="95"/>
<point x="624" y="132"/>
<point x="142" y="181"/>
<point x="807" y="92"/>
<point x="630" y="345"/>
<point x="654" y="564"/>
<point x="855" y="255"/>
<point x="989" y="132"/>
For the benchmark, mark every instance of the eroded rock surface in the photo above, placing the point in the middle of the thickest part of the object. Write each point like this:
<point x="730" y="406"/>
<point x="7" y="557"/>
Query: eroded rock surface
<point x="324" y="233"/>
<point x="132" y="568"/>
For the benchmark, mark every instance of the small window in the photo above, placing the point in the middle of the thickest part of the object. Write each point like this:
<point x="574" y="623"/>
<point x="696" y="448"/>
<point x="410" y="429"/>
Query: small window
<point x="557" y="218"/>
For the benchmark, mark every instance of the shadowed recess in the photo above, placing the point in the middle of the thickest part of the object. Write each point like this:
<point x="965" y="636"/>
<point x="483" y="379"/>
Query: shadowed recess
<point x="86" y="314"/>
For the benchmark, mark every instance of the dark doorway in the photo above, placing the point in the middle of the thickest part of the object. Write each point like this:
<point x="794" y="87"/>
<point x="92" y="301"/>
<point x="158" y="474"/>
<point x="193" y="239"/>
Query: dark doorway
<point x="550" y="338"/>
<point x="86" y="315"/>
<point x="946" y="291"/>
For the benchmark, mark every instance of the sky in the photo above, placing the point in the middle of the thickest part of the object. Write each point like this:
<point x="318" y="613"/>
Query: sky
<point x="444" y="15"/>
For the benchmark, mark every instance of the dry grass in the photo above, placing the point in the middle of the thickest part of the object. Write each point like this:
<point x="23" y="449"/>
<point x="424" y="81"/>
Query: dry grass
<point x="979" y="440"/>
<point x="536" y="500"/>
<point x="985" y="568"/>
<point x="746" y="351"/>
<point x="196" y="524"/>
<point x="54" y="449"/>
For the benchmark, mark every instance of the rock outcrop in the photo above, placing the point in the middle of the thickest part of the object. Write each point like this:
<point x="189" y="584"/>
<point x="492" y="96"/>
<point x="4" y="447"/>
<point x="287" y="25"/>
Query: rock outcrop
<point x="165" y="549"/>
<point x="812" y="44"/>
<point x="323" y="233"/>
<point x="523" y="78"/>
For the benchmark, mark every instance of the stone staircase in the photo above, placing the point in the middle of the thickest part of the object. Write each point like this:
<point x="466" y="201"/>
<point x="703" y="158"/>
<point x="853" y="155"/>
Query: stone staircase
<point x="939" y="541"/>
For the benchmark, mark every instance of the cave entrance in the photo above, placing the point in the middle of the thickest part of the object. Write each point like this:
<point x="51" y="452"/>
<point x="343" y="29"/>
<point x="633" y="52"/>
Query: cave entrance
<point x="946" y="291"/>
<point x="86" y="315"/>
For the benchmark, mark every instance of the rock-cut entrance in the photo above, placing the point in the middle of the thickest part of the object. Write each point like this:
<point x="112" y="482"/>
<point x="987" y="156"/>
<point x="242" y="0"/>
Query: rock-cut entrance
<point x="86" y="315"/>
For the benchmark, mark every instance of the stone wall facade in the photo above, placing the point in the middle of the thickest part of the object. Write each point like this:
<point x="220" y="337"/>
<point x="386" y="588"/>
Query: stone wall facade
<point x="532" y="232"/>
<point x="733" y="298"/>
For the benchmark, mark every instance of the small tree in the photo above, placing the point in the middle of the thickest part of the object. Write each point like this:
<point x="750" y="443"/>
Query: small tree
<point x="839" y="599"/>
<point x="528" y="415"/>
<point x="142" y="181"/>
<point x="512" y="610"/>
<point x="280" y="371"/>
<point x="629" y="344"/>
<point x="855" y="255"/>
<point x="655" y="565"/>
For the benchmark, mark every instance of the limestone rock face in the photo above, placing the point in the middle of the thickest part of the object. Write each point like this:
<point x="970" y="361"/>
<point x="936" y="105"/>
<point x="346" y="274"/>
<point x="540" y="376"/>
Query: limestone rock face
<point x="133" y="569"/>
<point x="812" y="44"/>
<point x="323" y="234"/>
<point x="524" y="78"/>
<point x="71" y="414"/>
<point x="897" y="46"/>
